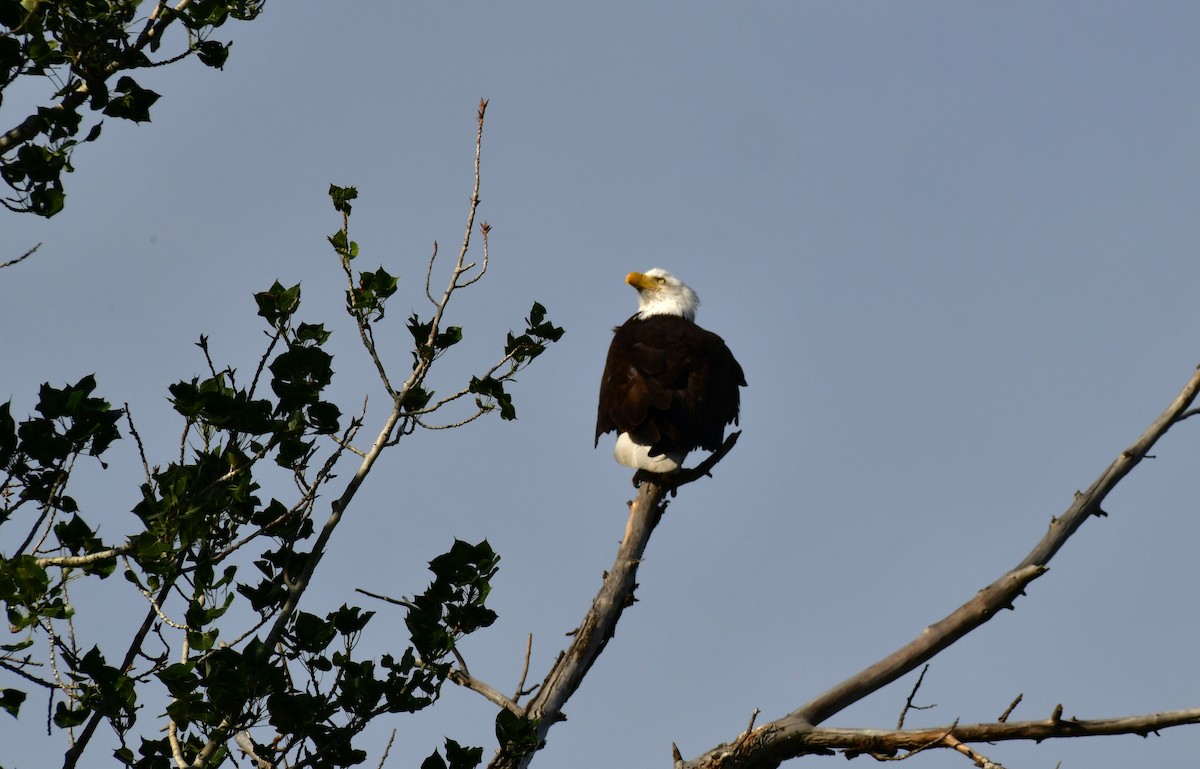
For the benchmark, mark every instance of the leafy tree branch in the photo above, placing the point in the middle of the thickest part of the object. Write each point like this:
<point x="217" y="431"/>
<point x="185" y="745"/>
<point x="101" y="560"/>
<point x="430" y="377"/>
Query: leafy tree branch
<point x="224" y="636"/>
<point x="78" y="47"/>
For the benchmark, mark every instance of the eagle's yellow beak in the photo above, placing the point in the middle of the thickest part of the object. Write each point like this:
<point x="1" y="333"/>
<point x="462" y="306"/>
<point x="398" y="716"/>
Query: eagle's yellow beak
<point x="640" y="281"/>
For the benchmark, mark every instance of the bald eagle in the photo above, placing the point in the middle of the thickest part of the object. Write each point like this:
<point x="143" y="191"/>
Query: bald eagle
<point x="669" y="386"/>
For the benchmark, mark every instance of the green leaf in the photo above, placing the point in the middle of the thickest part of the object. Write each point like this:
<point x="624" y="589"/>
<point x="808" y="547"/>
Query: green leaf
<point x="212" y="53"/>
<point x="48" y="200"/>
<point x="65" y="718"/>
<point x="76" y="535"/>
<point x="312" y="332"/>
<point x="538" y="333"/>
<point x="11" y="699"/>
<point x="416" y="398"/>
<point x="453" y="605"/>
<point x="134" y="103"/>
<point x="277" y="304"/>
<point x="517" y="735"/>
<point x="8" y="436"/>
<point x="312" y="633"/>
<point x="299" y="374"/>
<point x="341" y="197"/>
<point x="373" y="289"/>
<point x="493" y="390"/>
<point x="24" y="587"/>
<point x="434" y="761"/>
<point x="323" y="417"/>
<point x="340" y="243"/>
<point x="202" y="640"/>
<point x="448" y="338"/>
<point x="462" y="758"/>
<point x="350" y="619"/>
<point x="179" y="678"/>
<point x="18" y="646"/>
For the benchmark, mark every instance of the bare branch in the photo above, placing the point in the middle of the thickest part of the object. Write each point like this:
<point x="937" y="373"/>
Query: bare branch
<point x="140" y="446"/>
<point x="788" y="737"/>
<point x="23" y="257"/>
<point x="938" y="636"/>
<point x="908" y="703"/>
<point x="600" y="622"/>
<point x="244" y="742"/>
<point x="980" y="760"/>
<point x="703" y="470"/>
<point x="466" y="680"/>
<point x="484" y="229"/>
<point x="1011" y="707"/>
<point x="18" y="670"/>
<point x="451" y="425"/>
<point x="84" y="560"/>
<point x="1088" y="503"/>
<point x="429" y="274"/>
<point x="386" y="750"/>
<point x="398" y="601"/>
<point x="616" y="593"/>
<point x="524" y="669"/>
<point x="855" y="741"/>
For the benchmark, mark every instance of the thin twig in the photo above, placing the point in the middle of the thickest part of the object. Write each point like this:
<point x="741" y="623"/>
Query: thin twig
<point x="429" y="274"/>
<point x="1011" y="707"/>
<point x="524" y="669"/>
<point x="908" y="703"/>
<point x="484" y="229"/>
<point x="387" y="749"/>
<point x="980" y="760"/>
<point x="140" y="446"/>
<point x="12" y="668"/>
<point x="20" y="258"/>
<point x="398" y="601"/>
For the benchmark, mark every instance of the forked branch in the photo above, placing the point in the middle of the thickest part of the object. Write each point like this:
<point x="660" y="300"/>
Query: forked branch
<point x="796" y="734"/>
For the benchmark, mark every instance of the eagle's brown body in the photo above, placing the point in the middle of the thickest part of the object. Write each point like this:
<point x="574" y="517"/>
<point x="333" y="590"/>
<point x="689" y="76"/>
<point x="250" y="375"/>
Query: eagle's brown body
<point x="670" y="385"/>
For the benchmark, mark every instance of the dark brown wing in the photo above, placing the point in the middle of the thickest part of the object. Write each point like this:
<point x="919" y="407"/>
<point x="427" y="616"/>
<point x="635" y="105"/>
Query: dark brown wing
<point x="670" y="384"/>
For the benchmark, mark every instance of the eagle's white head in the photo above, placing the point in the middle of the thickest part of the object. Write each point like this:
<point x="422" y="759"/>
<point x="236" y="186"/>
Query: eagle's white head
<point x="661" y="293"/>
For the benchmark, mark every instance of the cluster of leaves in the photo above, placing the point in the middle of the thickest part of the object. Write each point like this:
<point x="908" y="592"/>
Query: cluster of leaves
<point x="79" y="46"/>
<point x="194" y="515"/>
<point x="454" y="606"/>
<point x="519" y="351"/>
<point x="36" y="459"/>
<point x="234" y="656"/>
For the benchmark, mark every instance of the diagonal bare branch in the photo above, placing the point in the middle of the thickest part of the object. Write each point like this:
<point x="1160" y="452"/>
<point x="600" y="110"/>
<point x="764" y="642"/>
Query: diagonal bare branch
<point x="789" y="737"/>
<point x="600" y="623"/>
<point x="889" y="742"/>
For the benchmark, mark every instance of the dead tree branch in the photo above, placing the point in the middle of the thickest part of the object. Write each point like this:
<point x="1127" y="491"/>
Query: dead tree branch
<point x="796" y="733"/>
<point x="600" y="623"/>
<point x="890" y="742"/>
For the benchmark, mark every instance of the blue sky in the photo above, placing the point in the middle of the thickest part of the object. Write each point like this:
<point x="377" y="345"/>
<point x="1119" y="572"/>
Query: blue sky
<point x="952" y="245"/>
